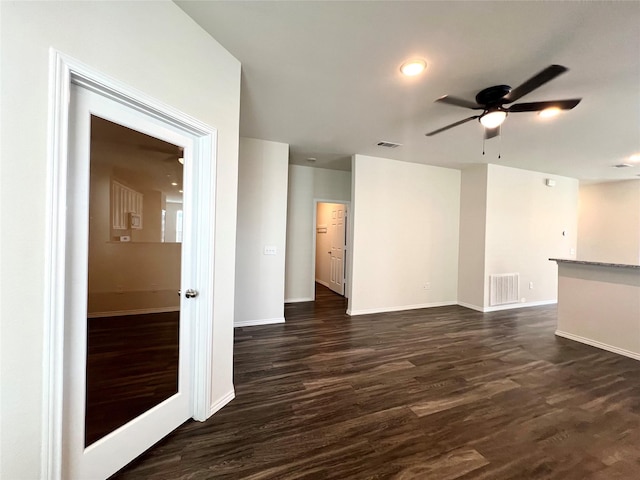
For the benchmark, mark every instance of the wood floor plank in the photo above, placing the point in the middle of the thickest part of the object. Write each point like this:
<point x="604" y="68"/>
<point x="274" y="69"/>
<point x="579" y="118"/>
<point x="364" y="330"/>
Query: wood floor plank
<point x="432" y="394"/>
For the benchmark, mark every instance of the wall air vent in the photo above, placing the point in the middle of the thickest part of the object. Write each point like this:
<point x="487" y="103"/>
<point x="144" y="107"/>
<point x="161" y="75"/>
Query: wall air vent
<point x="389" y="144"/>
<point x="504" y="288"/>
<point x="623" y="165"/>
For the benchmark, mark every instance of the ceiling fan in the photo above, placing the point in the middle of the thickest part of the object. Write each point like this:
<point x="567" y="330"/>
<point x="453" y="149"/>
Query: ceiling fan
<point x="492" y="102"/>
<point x="172" y="152"/>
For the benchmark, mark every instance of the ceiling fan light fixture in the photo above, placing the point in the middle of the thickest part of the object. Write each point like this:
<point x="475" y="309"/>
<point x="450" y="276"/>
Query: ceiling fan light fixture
<point x="493" y="119"/>
<point x="413" y="67"/>
<point x="549" y="112"/>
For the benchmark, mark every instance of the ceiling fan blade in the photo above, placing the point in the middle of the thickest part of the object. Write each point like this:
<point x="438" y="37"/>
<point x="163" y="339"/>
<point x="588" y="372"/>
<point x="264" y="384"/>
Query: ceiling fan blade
<point x="537" y="106"/>
<point x="459" y="102"/>
<point x="549" y="73"/>
<point x="168" y="149"/>
<point x="452" y="125"/>
<point x="491" y="132"/>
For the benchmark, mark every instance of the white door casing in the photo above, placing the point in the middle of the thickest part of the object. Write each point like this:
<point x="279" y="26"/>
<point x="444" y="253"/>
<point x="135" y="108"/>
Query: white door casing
<point x="65" y="293"/>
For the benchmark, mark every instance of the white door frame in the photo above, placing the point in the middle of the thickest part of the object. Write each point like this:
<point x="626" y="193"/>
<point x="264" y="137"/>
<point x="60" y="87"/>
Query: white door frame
<point x="63" y="72"/>
<point x="347" y="225"/>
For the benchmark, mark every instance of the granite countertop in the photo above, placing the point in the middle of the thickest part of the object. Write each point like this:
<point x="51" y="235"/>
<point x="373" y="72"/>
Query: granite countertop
<point x="600" y="264"/>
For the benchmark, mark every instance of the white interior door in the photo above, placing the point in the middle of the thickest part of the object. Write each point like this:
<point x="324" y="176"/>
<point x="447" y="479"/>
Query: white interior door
<point x="101" y="458"/>
<point x="338" y="242"/>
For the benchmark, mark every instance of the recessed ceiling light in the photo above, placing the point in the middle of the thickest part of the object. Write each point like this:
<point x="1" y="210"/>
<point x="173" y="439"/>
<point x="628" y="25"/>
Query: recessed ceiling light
<point x="413" y="67"/>
<point x="549" y="112"/>
<point x="174" y="184"/>
<point x="180" y="191"/>
<point x="311" y="159"/>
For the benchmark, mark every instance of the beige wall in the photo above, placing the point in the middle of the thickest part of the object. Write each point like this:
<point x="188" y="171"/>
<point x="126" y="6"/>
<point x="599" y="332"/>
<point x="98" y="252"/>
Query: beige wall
<point x="525" y="224"/>
<point x="262" y="220"/>
<point x="512" y="222"/>
<point x="195" y="75"/>
<point x="307" y="184"/>
<point x="600" y="306"/>
<point x="473" y="224"/>
<point x="609" y="222"/>
<point x="405" y="235"/>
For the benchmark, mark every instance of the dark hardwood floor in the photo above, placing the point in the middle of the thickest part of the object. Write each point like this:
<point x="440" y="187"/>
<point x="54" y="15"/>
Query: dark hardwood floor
<point x="441" y="393"/>
<point x="132" y="366"/>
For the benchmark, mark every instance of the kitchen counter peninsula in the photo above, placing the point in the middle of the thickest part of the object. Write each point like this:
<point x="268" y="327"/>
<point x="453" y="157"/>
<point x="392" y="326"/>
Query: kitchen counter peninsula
<point x="599" y="304"/>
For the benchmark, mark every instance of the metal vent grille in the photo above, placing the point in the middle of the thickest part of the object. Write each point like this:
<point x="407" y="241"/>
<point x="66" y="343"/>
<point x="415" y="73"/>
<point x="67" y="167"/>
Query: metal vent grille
<point x="504" y="288"/>
<point x="389" y="144"/>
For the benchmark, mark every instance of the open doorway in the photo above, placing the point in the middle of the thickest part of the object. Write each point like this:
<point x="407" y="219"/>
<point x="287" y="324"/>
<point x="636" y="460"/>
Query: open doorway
<point x="331" y="238"/>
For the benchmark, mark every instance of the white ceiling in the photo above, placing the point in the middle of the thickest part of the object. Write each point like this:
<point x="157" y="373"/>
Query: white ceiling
<point x="324" y="77"/>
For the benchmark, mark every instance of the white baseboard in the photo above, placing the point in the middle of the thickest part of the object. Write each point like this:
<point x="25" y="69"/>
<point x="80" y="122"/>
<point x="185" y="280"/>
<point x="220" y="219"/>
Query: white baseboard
<point x="510" y="306"/>
<point x="368" y="311"/>
<point x="600" y="345"/>
<point x="140" y="311"/>
<point x="298" y="300"/>
<point x="321" y="282"/>
<point x="519" y="305"/>
<point x="221" y="402"/>
<point x="260" y="321"/>
<point x="471" y="306"/>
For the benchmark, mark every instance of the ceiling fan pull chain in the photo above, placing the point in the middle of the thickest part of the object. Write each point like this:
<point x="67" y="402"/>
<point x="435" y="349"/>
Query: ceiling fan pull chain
<point x="483" y="140"/>
<point x="500" y="140"/>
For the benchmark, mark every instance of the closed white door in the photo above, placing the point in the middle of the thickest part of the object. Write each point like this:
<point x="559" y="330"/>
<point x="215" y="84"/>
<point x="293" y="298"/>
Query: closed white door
<point x="125" y="231"/>
<point x="338" y="242"/>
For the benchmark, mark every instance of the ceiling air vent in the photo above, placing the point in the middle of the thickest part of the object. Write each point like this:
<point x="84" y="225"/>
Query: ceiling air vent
<point x="623" y="165"/>
<point x="389" y="144"/>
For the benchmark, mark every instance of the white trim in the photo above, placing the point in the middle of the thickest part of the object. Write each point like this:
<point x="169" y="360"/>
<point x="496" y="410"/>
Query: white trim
<point x="322" y="282"/>
<point x="512" y="306"/>
<point x="600" y="345"/>
<point x="140" y="311"/>
<point x="255" y="323"/>
<point x="509" y="306"/>
<point x="220" y="403"/>
<point x="400" y="308"/>
<point x="63" y="71"/>
<point x="54" y="265"/>
<point x="472" y="307"/>
<point x="298" y="300"/>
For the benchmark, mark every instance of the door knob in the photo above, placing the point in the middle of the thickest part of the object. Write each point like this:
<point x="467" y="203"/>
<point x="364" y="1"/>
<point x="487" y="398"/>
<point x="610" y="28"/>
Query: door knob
<point x="191" y="293"/>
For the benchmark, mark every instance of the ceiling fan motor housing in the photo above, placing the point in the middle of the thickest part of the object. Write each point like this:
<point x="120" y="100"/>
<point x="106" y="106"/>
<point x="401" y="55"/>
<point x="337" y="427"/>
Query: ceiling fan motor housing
<point x="492" y="96"/>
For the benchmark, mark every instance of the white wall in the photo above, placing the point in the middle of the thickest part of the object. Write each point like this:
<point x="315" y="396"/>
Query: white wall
<point x="128" y="41"/>
<point x="609" y="222"/>
<point x="525" y="224"/>
<point x="262" y="220"/>
<point x="305" y="185"/>
<point x="405" y="220"/>
<point x="473" y="222"/>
